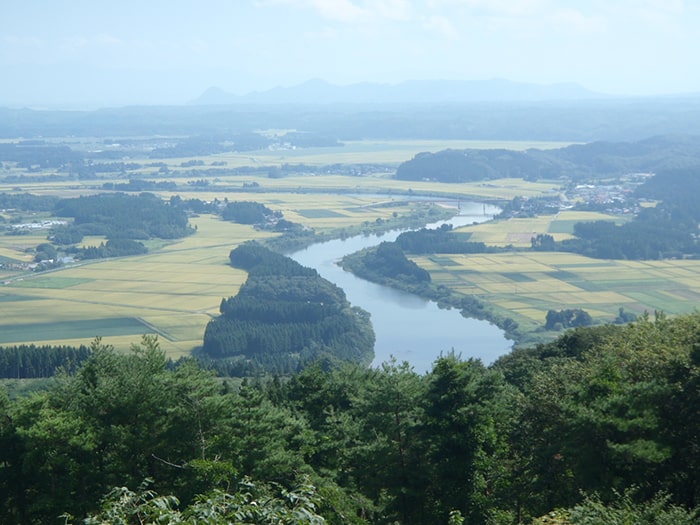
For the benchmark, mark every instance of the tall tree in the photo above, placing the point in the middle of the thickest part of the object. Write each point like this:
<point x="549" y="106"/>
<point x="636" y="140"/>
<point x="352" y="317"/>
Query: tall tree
<point x="461" y="438"/>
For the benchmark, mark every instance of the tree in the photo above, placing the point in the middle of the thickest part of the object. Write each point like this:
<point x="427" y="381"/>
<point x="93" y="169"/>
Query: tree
<point x="624" y="411"/>
<point x="569" y="318"/>
<point x="389" y="464"/>
<point x="462" y="438"/>
<point x="247" y="506"/>
<point x="543" y="242"/>
<point x="45" y="252"/>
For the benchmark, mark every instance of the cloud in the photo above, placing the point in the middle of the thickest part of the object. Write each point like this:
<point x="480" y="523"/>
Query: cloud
<point x="325" y="33"/>
<point x="575" y="20"/>
<point x="74" y="43"/>
<point x="441" y="25"/>
<point x="349" y="11"/>
<point x="339" y="10"/>
<point x="392" y="9"/>
<point x="497" y="8"/>
<point x="674" y="7"/>
<point x="335" y="10"/>
<point x="668" y="16"/>
<point x="108" y="40"/>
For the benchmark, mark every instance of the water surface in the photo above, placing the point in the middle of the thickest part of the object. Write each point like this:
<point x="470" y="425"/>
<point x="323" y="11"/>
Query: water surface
<point x="409" y="327"/>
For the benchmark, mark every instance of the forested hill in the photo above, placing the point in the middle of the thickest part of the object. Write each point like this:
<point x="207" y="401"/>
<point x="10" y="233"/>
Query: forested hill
<point x="577" y="162"/>
<point x="284" y="317"/>
<point x="598" y="427"/>
<point x="667" y="230"/>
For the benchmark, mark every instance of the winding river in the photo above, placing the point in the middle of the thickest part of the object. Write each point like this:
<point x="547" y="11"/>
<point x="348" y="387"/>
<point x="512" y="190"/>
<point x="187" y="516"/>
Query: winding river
<point x="407" y="327"/>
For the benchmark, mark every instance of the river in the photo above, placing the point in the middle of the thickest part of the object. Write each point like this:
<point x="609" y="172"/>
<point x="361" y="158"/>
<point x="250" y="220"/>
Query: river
<point x="407" y="327"/>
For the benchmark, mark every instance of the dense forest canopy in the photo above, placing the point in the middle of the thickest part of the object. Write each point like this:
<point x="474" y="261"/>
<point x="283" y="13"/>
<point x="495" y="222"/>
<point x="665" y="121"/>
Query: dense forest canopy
<point x="284" y="317"/>
<point x="666" y="230"/>
<point x="388" y="261"/>
<point x="31" y="361"/>
<point x="126" y="216"/>
<point x="438" y="240"/>
<point x="600" y="424"/>
<point x="27" y="202"/>
<point x="123" y="219"/>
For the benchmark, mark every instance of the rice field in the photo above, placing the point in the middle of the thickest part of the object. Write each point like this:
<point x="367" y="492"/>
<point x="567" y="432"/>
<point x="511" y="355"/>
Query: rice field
<point x="172" y="292"/>
<point x="518" y="232"/>
<point x="362" y="152"/>
<point x="524" y="285"/>
<point x="176" y="288"/>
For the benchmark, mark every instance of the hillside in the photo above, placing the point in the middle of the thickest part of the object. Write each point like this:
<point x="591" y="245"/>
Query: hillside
<point x="595" y="160"/>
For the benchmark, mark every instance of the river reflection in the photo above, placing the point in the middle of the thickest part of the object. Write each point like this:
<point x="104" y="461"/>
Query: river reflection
<point x="408" y="327"/>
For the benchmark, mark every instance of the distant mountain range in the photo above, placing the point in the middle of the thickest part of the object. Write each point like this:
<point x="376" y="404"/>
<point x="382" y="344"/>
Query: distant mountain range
<point x="412" y="91"/>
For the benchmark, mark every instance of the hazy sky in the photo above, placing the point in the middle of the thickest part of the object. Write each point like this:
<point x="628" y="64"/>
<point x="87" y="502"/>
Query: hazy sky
<point x="98" y="53"/>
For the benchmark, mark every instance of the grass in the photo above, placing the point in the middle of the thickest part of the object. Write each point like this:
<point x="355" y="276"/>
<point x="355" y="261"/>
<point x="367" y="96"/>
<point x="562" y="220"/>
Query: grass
<point x="50" y="282"/>
<point x="320" y="214"/>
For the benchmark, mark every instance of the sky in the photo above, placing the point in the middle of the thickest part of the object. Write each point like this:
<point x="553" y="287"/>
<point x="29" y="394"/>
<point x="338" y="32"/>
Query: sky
<point x="96" y="53"/>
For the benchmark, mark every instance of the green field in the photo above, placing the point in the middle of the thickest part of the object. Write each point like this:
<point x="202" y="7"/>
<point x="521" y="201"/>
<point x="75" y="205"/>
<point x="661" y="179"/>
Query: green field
<point x="524" y="285"/>
<point x="88" y="329"/>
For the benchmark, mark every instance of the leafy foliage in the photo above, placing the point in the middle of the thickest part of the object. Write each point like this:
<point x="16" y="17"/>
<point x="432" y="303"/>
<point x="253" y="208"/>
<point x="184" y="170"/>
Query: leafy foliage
<point x="600" y="426"/>
<point x="123" y="506"/>
<point x="568" y="318"/>
<point x="622" y="510"/>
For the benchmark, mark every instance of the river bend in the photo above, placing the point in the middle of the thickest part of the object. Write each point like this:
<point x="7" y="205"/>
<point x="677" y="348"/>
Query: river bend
<point x="406" y="326"/>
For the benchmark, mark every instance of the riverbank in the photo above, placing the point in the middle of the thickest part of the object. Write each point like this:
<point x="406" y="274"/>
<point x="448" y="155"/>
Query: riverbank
<point x="421" y="214"/>
<point x="469" y="306"/>
<point x="409" y="327"/>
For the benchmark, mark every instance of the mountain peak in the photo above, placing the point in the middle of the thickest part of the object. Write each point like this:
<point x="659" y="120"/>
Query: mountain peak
<point x="318" y="91"/>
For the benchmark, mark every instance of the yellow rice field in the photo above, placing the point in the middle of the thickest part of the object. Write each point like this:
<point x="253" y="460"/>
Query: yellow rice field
<point x="518" y="232"/>
<point x="362" y="152"/>
<point x="524" y="285"/>
<point x="175" y="291"/>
